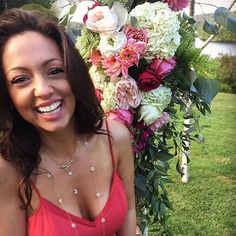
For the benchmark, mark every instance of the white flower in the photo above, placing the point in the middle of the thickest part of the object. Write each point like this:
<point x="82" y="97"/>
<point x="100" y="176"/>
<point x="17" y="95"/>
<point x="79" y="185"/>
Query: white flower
<point x="108" y="102"/>
<point x="149" y="114"/>
<point x="98" y="77"/>
<point x="111" y="44"/>
<point x="162" y="25"/>
<point x="100" y="18"/>
<point x="159" y="97"/>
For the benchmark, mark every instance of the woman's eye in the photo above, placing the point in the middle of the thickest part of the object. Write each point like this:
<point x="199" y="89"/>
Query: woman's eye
<point x="19" y="80"/>
<point x="55" y="71"/>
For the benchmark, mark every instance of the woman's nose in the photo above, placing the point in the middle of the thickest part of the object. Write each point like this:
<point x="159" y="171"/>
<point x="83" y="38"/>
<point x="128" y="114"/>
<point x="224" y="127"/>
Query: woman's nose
<point x="43" y="88"/>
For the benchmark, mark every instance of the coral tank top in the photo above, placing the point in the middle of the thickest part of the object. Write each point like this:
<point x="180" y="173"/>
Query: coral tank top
<point x="50" y="220"/>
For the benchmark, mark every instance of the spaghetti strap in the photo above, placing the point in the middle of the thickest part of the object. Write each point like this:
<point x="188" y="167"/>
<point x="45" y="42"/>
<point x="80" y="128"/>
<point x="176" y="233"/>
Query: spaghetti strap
<point x="35" y="188"/>
<point x="110" y="145"/>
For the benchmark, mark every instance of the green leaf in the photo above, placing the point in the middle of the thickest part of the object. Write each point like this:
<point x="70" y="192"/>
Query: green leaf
<point x="188" y="18"/>
<point x="221" y="16"/>
<point x="140" y="182"/>
<point x="164" y="155"/>
<point x="210" y="28"/>
<point x="110" y="3"/>
<point x="150" y="174"/>
<point x="231" y="24"/>
<point x="207" y="88"/>
<point x="134" y="21"/>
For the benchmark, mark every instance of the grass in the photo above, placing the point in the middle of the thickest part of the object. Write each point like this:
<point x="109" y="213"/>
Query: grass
<point x="207" y="204"/>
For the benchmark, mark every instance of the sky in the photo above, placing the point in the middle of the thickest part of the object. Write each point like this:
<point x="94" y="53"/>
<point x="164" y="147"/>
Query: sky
<point x="211" y="9"/>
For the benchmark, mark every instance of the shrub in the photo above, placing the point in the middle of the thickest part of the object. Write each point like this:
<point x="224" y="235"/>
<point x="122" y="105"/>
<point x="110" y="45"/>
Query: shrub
<point x="226" y="73"/>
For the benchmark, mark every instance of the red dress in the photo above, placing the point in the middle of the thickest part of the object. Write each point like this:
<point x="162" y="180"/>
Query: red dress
<point x="50" y="220"/>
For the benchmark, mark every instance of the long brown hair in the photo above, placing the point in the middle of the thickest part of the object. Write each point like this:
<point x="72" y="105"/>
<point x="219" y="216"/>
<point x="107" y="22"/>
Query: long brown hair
<point x="19" y="140"/>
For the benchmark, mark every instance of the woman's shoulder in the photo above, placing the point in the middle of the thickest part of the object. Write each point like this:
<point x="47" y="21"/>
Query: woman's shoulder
<point x="9" y="176"/>
<point x="118" y="131"/>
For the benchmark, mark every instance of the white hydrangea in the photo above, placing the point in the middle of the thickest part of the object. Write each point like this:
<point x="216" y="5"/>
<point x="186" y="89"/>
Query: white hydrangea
<point x="159" y="97"/>
<point x="108" y="102"/>
<point x="98" y="77"/>
<point x="162" y="25"/>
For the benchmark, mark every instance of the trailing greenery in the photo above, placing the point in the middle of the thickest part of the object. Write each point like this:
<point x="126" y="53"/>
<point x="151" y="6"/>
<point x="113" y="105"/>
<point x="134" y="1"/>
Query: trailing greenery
<point x="224" y="34"/>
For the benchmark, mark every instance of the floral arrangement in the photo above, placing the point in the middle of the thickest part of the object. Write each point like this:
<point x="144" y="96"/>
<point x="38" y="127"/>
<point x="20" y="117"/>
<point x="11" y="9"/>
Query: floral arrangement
<point x="119" y="48"/>
<point x="147" y="75"/>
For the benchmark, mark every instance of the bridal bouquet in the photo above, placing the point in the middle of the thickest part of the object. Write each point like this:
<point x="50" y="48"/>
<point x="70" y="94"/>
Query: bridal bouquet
<point x="129" y="57"/>
<point x="147" y="75"/>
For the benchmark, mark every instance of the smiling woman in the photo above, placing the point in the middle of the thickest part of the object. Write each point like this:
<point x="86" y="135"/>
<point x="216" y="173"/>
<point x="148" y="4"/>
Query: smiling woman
<point x="60" y="159"/>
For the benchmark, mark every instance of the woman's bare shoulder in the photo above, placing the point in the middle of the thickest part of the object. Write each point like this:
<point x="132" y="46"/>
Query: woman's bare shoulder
<point x="9" y="176"/>
<point x="118" y="131"/>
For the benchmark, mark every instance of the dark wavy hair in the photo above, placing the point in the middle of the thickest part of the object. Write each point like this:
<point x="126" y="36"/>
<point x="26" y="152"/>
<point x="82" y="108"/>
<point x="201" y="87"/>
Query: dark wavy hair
<point x="19" y="140"/>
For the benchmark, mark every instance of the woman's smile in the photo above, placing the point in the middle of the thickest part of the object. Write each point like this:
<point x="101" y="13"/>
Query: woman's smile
<point x="37" y="81"/>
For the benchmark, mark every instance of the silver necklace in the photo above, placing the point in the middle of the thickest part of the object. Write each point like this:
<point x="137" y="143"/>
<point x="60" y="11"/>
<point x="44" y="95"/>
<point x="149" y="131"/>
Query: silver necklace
<point x="67" y="167"/>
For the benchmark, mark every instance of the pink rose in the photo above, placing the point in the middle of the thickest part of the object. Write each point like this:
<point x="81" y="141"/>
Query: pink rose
<point x="163" y="67"/>
<point x="127" y="94"/>
<point x="177" y="5"/>
<point x="135" y="33"/>
<point x="157" y="71"/>
<point x="123" y="116"/>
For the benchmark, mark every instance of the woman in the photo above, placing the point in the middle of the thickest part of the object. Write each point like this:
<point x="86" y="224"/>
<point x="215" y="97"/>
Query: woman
<point x="69" y="169"/>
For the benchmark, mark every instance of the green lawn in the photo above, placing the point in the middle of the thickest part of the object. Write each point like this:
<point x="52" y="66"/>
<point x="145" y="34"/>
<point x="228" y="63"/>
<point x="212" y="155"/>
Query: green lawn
<point x="207" y="204"/>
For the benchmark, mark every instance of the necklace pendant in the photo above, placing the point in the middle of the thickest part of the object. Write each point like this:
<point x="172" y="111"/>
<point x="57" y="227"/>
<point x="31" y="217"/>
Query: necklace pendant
<point x="86" y="143"/>
<point x="76" y="191"/>
<point x="70" y="172"/>
<point x="98" y="194"/>
<point x="60" y="200"/>
<point x="49" y="175"/>
<point x="73" y="225"/>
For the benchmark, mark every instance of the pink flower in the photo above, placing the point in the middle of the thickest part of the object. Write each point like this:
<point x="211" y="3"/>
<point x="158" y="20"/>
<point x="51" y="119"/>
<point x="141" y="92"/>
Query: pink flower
<point x="142" y="141"/>
<point x="177" y="5"/>
<point x="158" y="70"/>
<point x="130" y="55"/>
<point x="163" y="67"/>
<point x="123" y="116"/>
<point x="135" y="33"/>
<point x="127" y="94"/>
<point x="160" y="122"/>
<point x="112" y="66"/>
<point x="95" y="57"/>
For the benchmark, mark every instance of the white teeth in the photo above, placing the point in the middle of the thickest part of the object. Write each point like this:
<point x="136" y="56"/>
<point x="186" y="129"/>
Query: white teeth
<point x="53" y="108"/>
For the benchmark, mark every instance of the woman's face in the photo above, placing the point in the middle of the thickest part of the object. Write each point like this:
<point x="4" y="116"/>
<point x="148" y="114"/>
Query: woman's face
<point x="37" y="82"/>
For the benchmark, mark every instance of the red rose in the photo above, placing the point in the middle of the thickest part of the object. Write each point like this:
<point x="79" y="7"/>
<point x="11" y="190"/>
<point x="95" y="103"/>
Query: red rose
<point x="148" y="80"/>
<point x="158" y="70"/>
